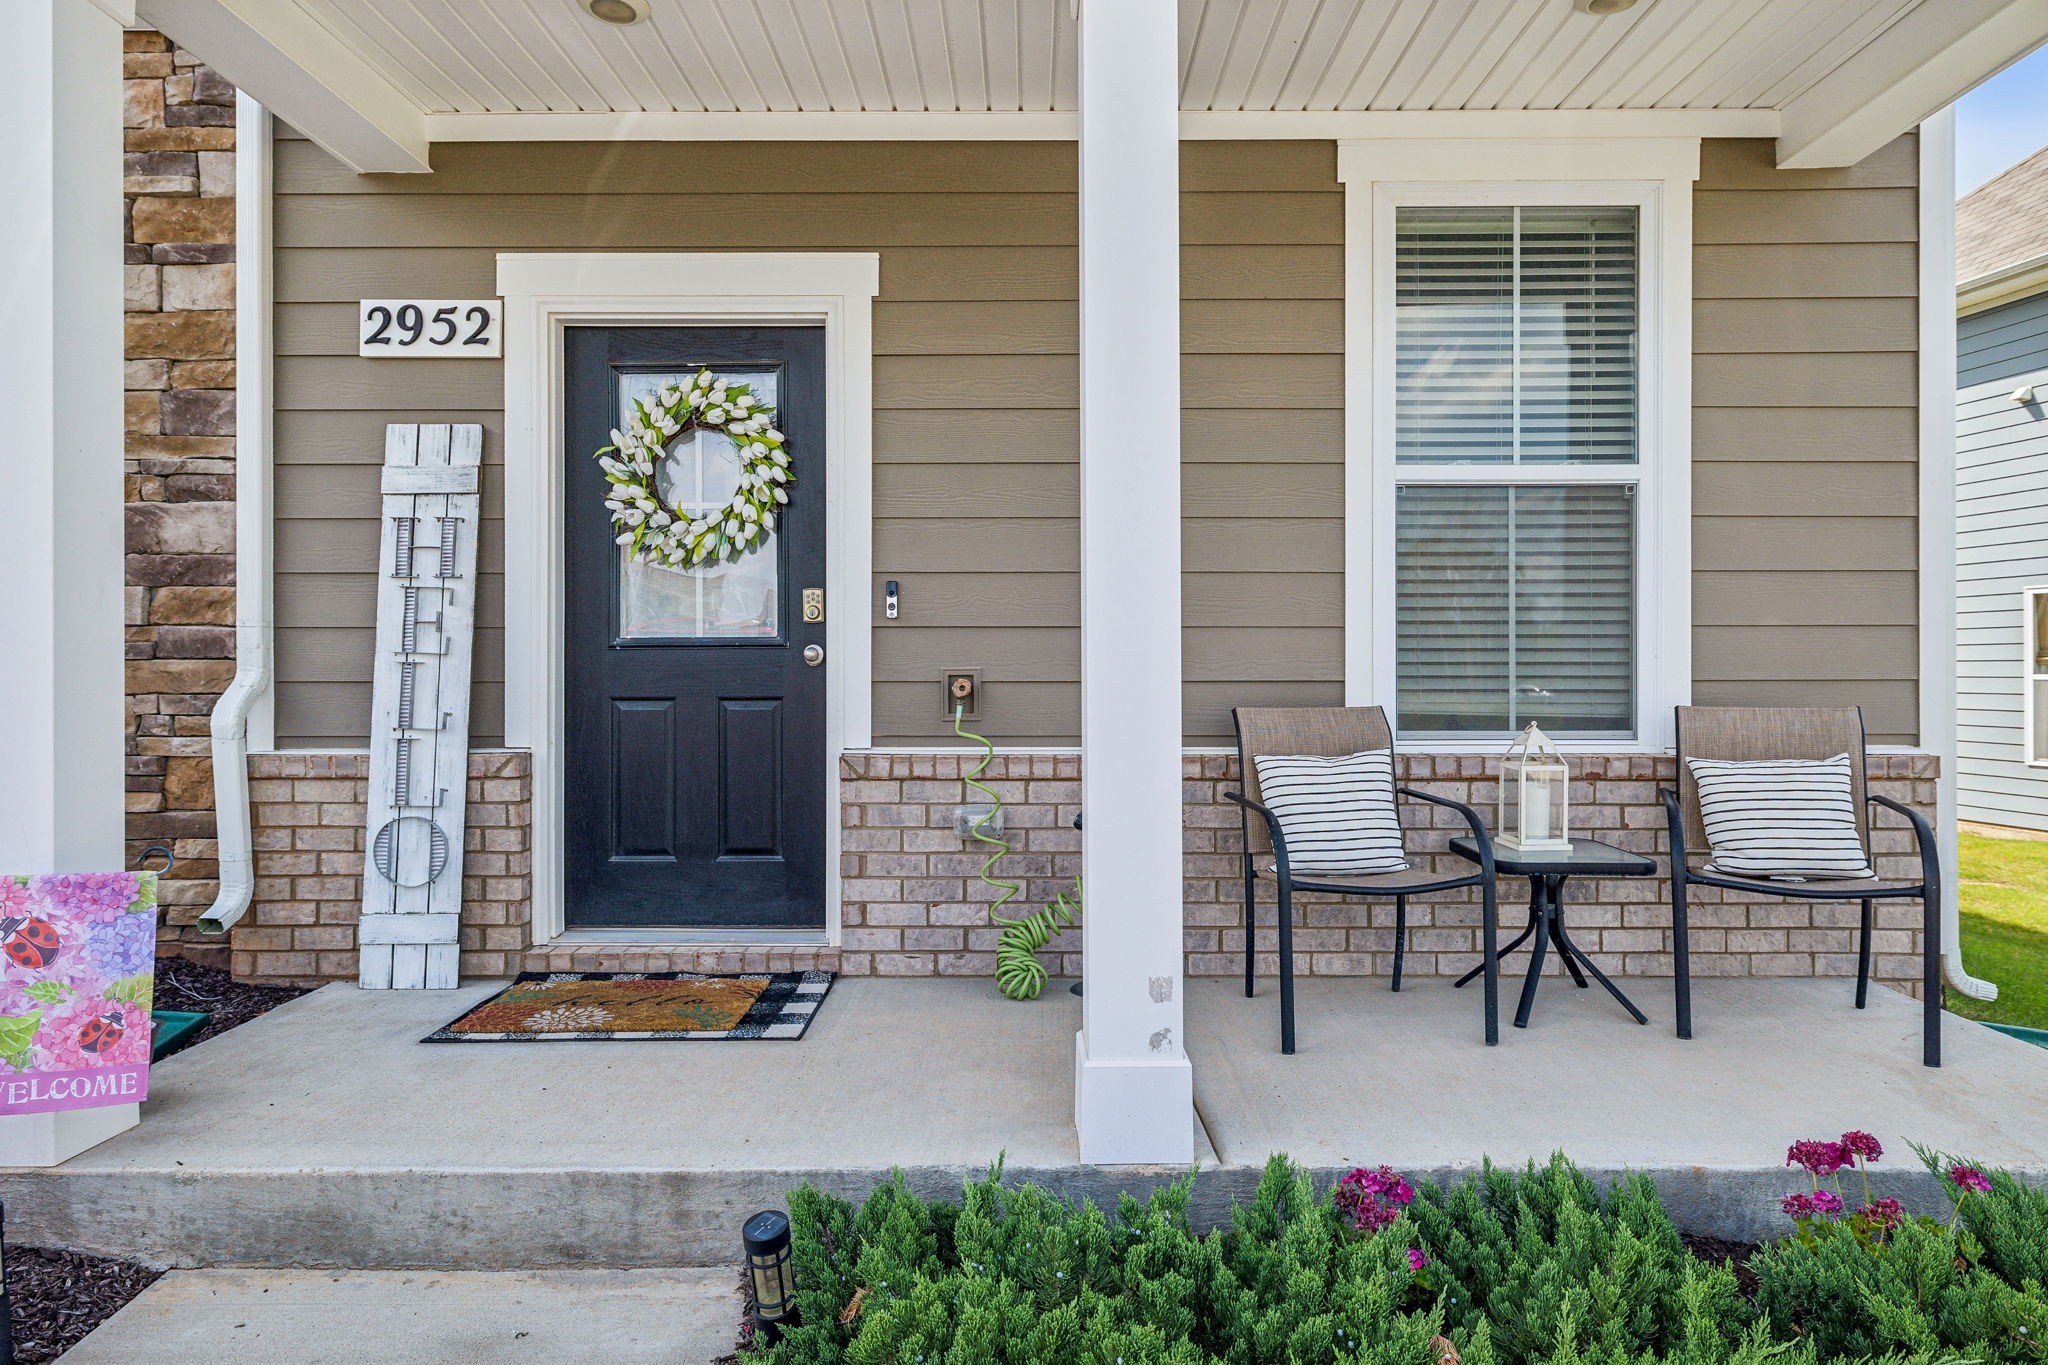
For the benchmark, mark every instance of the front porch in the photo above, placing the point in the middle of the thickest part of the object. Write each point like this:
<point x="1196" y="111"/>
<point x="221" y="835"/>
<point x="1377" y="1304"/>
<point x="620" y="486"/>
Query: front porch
<point x="323" y="1134"/>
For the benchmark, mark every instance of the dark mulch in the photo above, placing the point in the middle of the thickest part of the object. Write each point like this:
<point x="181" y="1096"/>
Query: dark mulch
<point x="182" y="984"/>
<point x="744" y="1293"/>
<point x="1714" y="1251"/>
<point x="59" y="1296"/>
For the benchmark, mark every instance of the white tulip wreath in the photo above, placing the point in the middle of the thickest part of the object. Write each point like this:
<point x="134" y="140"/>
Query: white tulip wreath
<point x="656" y="530"/>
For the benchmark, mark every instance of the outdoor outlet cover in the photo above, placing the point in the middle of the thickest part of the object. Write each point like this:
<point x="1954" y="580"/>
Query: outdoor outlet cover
<point x="965" y="816"/>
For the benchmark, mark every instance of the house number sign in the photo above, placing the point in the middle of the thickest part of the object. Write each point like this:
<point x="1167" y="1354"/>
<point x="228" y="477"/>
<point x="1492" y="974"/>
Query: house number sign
<point x="430" y="328"/>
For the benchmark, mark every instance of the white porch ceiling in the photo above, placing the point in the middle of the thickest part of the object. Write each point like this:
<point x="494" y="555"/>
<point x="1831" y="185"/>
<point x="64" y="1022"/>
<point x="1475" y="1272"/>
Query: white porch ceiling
<point x="1017" y="56"/>
<point x="377" y="81"/>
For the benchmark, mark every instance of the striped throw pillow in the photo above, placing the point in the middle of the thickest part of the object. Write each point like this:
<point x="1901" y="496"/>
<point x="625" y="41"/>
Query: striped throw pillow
<point x="1337" y="814"/>
<point x="1793" y="819"/>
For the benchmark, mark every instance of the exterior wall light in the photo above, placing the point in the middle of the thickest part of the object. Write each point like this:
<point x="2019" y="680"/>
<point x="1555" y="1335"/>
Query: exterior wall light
<point x="1601" y="7"/>
<point x="766" y="1236"/>
<point x="620" y="12"/>
<point x="1535" y="796"/>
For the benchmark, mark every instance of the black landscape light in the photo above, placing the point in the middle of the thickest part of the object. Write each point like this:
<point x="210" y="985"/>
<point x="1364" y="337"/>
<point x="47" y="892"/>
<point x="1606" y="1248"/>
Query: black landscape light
<point x="766" y="1235"/>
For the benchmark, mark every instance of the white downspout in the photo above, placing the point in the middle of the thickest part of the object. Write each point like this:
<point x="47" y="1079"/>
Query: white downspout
<point x="245" y="706"/>
<point x="1938" y="516"/>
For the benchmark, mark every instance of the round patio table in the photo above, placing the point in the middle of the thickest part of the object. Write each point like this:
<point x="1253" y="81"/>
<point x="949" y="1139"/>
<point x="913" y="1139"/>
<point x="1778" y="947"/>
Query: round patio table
<point x="1547" y="874"/>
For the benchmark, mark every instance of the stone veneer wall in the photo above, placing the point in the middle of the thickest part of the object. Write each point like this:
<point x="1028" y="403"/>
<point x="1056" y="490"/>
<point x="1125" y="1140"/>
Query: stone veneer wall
<point x="179" y="273"/>
<point x="912" y="905"/>
<point x="310" y="813"/>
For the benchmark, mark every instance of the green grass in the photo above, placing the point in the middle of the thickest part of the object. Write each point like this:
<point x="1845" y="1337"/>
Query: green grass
<point x="2004" y="913"/>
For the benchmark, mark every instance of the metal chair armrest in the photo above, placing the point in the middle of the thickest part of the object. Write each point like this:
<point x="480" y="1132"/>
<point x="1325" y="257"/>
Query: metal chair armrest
<point x="1674" y="823"/>
<point x="1272" y="831"/>
<point x="1480" y="837"/>
<point x="1923" y="836"/>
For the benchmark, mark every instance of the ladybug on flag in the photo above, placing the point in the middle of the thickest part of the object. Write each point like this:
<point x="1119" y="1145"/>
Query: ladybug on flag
<point x="29" y="940"/>
<point x="102" y="1031"/>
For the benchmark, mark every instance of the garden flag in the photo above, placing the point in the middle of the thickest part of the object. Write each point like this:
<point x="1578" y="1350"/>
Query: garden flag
<point x="77" y="968"/>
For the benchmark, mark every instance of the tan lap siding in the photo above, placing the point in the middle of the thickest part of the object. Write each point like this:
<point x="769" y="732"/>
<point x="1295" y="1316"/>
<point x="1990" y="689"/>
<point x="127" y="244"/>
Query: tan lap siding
<point x="975" y="377"/>
<point x="1262" y="429"/>
<point x="1805" y="445"/>
<point x="976" y="493"/>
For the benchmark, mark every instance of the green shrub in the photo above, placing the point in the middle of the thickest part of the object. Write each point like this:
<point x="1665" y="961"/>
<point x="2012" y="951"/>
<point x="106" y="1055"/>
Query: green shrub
<point x="1536" y="1267"/>
<point x="1919" y="1293"/>
<point x="1560" y="1272"/>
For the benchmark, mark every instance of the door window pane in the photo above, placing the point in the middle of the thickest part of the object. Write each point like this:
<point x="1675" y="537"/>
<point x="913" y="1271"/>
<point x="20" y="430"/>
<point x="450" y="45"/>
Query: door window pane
<point x="1516" y="604"/>
<point x="1515" y="335"/>
<point x="737" y="600"/>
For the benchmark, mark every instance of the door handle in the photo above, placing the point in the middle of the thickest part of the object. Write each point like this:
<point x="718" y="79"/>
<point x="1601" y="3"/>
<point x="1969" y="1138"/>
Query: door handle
<point x="814" y="655"/>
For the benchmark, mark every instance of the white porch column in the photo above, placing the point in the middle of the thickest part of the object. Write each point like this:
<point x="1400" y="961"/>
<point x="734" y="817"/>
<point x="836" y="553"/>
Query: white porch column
<point x="1133" y="1089"/>
<point x="61" y="719"/>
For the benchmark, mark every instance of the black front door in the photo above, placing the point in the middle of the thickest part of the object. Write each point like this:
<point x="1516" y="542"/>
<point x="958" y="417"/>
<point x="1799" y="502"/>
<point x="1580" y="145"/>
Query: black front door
<point x="695" y="759"/>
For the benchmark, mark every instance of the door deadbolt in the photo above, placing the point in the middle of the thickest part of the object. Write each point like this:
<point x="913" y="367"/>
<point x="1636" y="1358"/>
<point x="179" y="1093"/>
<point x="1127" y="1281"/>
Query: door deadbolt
<point x="814" y="655"/>
<point x="814" y="606"/>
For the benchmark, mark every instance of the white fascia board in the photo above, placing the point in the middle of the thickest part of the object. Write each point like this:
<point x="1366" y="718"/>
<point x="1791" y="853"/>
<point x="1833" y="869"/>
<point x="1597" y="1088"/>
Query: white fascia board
<point x="121" y="12"/>
<point x="303" y="74"/>
<point x="1063" y="125"/>
<point x="1932" y="56"/>
<point x="2005" y="285"/>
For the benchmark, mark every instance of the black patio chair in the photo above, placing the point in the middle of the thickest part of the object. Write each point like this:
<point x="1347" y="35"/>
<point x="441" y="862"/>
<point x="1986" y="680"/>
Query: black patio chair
<point x="1782" y="732"/>
<point x="1334" y="731"/>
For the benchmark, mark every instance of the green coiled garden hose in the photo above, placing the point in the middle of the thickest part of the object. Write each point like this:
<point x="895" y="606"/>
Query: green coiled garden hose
<point x="1019" y="973"/>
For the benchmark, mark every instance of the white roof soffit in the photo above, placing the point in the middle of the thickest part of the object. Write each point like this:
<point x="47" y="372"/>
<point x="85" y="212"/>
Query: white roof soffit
<point x="303" y="73"/>
<point x="1934" y="54"/>
<point x="377" y="81"/>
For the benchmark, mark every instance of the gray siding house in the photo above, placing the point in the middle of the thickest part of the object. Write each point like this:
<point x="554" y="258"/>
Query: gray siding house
<point x="2002" y="498"/>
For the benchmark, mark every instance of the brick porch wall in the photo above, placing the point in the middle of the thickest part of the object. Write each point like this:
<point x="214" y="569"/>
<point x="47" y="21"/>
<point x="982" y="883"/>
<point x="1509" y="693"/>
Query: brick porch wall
<point x="309" y="812"/>
<point x="179" y="277"/>
<point x="912" y="905"/>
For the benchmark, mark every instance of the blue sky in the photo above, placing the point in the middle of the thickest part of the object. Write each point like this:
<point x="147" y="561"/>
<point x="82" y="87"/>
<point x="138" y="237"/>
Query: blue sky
<point x="2002" y="121"/>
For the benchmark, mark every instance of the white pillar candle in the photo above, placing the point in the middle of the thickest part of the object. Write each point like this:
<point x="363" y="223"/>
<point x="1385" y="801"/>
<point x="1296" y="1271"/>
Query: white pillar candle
<point x="1535" y="811"/>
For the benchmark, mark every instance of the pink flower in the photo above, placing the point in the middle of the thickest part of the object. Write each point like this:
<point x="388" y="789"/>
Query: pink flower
<point x="1858" y="1143"/>
<point x="1970" y="1178"/>
<point x="1827" y="1203"/>
<point x="1798" y="1206"/>
<point x="14" y="897"/>
<point x="1416" y="1260"/>
<point x="89" y="896"/>
<point x="1373" y="1198"/>
<point x="1821" y="1158"/>
<point x="1883" y="1213"/>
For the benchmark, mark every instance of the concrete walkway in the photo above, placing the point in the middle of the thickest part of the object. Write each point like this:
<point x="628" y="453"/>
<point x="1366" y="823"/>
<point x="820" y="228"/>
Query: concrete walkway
<point x="242" y="1317"/>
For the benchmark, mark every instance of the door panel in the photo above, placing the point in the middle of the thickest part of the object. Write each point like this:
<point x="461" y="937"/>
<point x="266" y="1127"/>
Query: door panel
<point x="695" y="730"/>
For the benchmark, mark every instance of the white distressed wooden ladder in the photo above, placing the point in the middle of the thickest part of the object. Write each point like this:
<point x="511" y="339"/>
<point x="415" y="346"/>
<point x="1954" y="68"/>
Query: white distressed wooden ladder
<point x="419" y="708"/>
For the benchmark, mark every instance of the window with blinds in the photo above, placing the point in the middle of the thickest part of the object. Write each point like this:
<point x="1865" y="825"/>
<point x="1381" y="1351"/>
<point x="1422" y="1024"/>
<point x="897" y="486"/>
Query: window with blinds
<point x="1516" y="604"/>
<point x="1515" y="334"/>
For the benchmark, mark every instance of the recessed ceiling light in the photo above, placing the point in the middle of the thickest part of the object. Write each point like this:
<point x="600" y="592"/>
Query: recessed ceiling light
<point x="1598" y="7"/>
<point x="621" y="12"/>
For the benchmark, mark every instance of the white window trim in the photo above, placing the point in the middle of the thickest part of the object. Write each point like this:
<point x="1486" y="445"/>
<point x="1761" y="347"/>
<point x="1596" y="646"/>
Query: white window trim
<point x="1654" y="174"/>
<point x="546" y="293"/>
<point x="2030" y="646"/>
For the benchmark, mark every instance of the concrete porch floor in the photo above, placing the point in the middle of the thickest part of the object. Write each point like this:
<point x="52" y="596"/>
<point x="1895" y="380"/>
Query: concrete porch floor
<point x="324" y="1134"/>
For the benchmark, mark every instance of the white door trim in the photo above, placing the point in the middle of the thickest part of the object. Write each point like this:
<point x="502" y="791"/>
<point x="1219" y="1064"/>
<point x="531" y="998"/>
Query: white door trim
<point x="546" y="293"/>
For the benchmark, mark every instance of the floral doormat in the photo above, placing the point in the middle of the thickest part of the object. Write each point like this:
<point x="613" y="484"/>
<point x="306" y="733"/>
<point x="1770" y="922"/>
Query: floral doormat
<point x="582" y="1006"/>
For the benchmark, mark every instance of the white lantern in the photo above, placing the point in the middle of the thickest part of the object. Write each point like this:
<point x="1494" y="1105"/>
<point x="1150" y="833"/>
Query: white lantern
<point x="1534" y="796"/>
